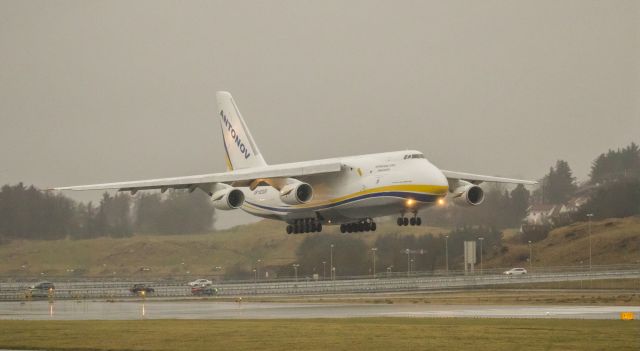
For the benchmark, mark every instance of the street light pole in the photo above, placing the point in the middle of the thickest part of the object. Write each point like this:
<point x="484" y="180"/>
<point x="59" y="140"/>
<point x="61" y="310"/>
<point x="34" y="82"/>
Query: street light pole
<point x="324" y="271"/>
<point x="589" y="215"/>
<point x="331" y="263"/>
<point x="481" y="240"/>
<point x="295" y="268"/>
<point x="255" y="288"/>
<point x="408" y="261"/>
<point x="530" y="258"/>
<point x="258" y="268"/>
<point x="446" y="252"/>
<point x="373" y="252"/>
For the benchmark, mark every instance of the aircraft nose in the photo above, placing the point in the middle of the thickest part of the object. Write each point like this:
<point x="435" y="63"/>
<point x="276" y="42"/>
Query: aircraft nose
<point x="438" y="178"/>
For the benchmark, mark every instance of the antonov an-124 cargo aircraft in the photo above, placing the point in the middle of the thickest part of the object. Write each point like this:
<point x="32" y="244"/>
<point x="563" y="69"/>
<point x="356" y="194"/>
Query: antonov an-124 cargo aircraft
<point x="346" y="191"/>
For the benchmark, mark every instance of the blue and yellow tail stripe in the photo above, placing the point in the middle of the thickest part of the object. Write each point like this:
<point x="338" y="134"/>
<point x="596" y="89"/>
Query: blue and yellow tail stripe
<point x="420" y="193"/>
<point x="226" y="153"/>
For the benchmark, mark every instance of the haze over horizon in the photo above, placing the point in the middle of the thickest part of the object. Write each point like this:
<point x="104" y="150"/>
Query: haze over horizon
<point x="97" y="92"/>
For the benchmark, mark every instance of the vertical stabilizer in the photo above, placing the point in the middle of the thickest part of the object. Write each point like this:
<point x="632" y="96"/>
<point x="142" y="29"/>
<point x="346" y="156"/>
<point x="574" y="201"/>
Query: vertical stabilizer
<point x="241" y="150"/>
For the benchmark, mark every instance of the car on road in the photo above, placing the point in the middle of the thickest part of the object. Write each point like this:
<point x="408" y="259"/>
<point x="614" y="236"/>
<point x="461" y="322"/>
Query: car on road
<point x="141" y="289"/>
<point x="200" y="282"/>
<point x="515" y="271"/>
<point x="41" y="289"/>
<point x="204" y="290"/>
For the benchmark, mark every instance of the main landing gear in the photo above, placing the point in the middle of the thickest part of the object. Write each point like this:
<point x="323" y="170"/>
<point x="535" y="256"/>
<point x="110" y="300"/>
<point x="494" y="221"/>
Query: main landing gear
<point x="307" y="225"/>
<point x="362" y="226"/>
<point x="415" y="220"/>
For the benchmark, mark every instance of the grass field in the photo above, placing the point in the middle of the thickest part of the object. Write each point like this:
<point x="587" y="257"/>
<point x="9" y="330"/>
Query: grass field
<point x="324" y="334"/>
<point x="476" y="297"/>
<point x="613" y="240"/>
<point x="198" y="254"/>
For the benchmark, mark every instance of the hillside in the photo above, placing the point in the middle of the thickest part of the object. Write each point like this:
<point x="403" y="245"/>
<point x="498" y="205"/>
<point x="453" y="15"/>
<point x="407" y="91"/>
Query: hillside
<point x="198" y="254"/>
<point x="613" y="241"/>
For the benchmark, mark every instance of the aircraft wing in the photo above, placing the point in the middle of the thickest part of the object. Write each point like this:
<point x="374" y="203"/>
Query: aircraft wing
<point x="206" y="181"/>
<point x="477" y="178"/>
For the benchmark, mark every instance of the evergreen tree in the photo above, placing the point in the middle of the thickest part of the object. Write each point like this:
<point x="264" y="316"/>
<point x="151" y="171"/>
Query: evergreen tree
<point x="519" y="204"/>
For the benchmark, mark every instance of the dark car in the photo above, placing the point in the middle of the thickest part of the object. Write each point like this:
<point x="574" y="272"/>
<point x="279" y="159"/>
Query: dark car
<point x="42" y="289"/>
<point x="204" y="290"/>
<point x="141" y="289"/>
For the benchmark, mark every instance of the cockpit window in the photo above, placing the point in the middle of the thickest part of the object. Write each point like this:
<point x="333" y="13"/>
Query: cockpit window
<point x="413" y="156"/>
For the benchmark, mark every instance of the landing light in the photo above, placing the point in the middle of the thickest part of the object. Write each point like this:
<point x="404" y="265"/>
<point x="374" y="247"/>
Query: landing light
<point x="410" y="202"/>
<point x="441" y="201"/>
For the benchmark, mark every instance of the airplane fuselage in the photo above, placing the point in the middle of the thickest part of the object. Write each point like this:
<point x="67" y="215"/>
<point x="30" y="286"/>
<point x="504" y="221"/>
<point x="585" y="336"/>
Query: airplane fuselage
<point x="368" y="186"/>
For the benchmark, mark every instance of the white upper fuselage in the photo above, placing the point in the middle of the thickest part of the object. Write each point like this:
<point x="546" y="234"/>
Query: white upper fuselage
<point x="367" y="186"/>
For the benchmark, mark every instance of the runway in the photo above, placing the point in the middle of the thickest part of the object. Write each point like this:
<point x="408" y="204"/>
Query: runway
<point x="132" y="310"/>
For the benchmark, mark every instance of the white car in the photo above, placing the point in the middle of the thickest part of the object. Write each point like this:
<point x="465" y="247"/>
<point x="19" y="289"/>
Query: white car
<point x="200" y="282"/>
<point x="515" y="271"/>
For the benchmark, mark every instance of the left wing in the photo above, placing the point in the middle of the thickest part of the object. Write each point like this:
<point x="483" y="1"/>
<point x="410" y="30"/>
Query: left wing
<point x="206" y="182"/>
<point x="477" y="178"/>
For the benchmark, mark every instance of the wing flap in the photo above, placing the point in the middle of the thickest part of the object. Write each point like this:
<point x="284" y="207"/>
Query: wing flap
<point x="478" y="178"/>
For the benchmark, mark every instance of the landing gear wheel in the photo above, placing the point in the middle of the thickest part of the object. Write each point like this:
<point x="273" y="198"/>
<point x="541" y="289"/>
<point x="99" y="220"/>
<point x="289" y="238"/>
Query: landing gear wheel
<point x="412" y="221"/>
<point x="319" y="227"/>
<point x="399" y="221"/>
<point x="343" y="229"/>
<point x="405" y="221"/>
<point x="418" y="221"/>
<point x="373" y="226"/>
<point x="367" y="227"/>
<point x="289" y="229"/>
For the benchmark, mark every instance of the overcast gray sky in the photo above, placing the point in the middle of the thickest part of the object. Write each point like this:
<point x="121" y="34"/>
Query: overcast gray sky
<point x="118" y="90"/>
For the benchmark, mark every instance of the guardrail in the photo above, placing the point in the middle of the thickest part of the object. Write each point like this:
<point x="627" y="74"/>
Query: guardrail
<point x="80" y="290"/>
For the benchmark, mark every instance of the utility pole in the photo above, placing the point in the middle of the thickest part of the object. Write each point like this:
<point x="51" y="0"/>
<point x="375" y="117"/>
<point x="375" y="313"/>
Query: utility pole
<point x="589" y="215"/>
<point x="530" y="258"/>
<point x="481" y="240"/>
<point x="446" y="252"/>
<point x="373" y="252"/>
<point x="324" y="271"/>
<point x="331" y="264"/>
<point x="408" y="262"/>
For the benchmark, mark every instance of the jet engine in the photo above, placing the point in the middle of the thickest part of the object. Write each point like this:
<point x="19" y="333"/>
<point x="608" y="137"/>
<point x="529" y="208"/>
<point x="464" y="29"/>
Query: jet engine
<point x="468" y="195"/>
<point x="228" y="199"/>
<point x="296" y="193"/>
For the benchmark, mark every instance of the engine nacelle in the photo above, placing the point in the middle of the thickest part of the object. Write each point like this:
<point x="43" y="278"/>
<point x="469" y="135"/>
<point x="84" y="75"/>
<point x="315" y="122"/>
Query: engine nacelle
<point x="468" y="195"/>
<point x="228" y="199"/>
<point x="296" y="193"/>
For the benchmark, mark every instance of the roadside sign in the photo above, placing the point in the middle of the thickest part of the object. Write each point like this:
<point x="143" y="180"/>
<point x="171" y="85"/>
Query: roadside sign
<point x="626" y="316"/>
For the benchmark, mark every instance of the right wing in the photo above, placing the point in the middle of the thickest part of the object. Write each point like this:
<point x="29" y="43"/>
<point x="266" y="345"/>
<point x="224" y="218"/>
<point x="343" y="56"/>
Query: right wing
<point x="207" y="182"/>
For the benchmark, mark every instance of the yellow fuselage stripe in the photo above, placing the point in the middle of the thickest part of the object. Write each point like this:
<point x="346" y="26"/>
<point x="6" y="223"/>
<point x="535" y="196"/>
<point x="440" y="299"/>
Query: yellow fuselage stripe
<point x="438" y="190"/>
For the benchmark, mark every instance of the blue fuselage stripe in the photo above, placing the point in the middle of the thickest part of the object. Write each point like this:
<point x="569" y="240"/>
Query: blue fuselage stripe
<point x="421" y="197"/>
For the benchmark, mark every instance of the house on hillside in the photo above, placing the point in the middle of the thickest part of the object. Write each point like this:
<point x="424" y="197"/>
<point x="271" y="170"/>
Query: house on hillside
<point x="548" y="214"/>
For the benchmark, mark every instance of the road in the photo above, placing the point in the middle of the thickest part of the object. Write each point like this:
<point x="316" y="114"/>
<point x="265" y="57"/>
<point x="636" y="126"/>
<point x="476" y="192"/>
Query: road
<point x="132" y="310"/>
<point x="75" y="290"/>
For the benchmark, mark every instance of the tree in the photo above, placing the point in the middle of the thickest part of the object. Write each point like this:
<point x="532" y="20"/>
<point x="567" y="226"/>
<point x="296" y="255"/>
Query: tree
<point x="615" y="165"/>
<point x="519" y="203"/>
<point x="179" y="212"/>
<point x="614" y="199"/>
<point x="559" y="184"/>
<point x="114" y="215"/>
